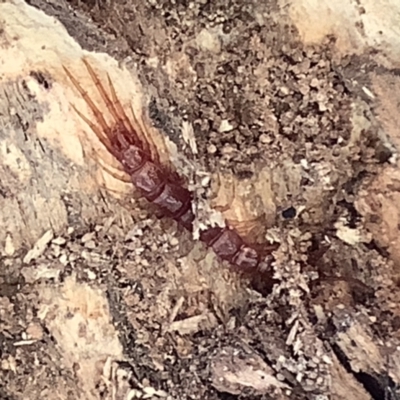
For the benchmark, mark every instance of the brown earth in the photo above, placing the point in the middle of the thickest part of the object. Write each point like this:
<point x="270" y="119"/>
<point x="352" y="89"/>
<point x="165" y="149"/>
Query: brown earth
<point x="129" y="306"/>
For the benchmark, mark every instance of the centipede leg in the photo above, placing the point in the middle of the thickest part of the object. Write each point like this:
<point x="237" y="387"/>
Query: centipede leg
<point x="121" y="175"/>
<point x="152" y="148"/>
<point x="115" y="107"/>
<point x="137" y="129"/>
<point x="99" y="131"/>
<point x="103" y="139"/>
<point x="167" y="165"/>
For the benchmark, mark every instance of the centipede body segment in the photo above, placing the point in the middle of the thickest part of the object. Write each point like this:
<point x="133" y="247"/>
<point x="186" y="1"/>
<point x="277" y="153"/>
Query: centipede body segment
<point x="128" y="141"/>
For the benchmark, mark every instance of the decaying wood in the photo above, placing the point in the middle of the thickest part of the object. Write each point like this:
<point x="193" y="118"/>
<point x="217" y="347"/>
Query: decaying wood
<point x="46" y="176"/>
<point x="51" y="179"/>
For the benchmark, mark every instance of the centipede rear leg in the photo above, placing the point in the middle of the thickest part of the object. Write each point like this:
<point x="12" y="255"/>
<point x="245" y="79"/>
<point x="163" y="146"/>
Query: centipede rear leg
<point x="136" y="134"/>
<point x="150" y="147"/>
<point x="121" y="175"/>
<point x="101" y="129"/>
<point x="138" y="131"/>
<point x="136" y="128"/>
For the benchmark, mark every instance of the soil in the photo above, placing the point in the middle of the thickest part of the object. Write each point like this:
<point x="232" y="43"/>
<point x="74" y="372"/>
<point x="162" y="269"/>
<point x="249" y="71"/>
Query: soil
<point x="256" y="98"/>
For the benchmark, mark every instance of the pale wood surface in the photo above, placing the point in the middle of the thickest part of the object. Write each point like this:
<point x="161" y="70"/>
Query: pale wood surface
<point x="48" y="175"/>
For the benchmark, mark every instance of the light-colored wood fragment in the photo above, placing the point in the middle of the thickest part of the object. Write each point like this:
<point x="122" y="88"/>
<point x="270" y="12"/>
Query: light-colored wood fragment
<point x="50" y="161"/>
<point x="356" y="26"/>
<point x="233" y="370"/>
<point x="79" y="319"/>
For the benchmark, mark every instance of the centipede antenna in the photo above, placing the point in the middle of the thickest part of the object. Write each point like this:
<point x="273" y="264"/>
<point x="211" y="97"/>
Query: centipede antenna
<point x="86" y="97"/>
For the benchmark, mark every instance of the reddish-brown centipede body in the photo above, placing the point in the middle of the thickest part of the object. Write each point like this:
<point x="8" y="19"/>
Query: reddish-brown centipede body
<point x="127" y="142"/>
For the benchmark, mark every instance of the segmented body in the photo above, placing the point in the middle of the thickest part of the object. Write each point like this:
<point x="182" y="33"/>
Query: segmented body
<point x="129" y="145"/>
<point x="154" y="184"/>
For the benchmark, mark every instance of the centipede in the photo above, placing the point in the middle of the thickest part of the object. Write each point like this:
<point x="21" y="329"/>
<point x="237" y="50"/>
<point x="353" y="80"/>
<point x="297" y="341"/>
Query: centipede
<point x="127" y="141"/>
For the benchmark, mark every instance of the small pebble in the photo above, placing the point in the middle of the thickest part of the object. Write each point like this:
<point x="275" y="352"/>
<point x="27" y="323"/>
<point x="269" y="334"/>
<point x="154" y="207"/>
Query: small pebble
<point x="87" y="237"/>
<point x="173" y="241"/>
<point x="211" y="149"/>
<point x="59" y="241"/>
<point x="284" y="90"/>
<point x="63" y="259"/>
<point x="265" y="139"/>
<point x="34" y="331"/>
<point x="225" y="126"/>
<point x="91" y="244"/>
<point x="314" y="82"/>
<point x="90" y="274"/>
<point x="205" y="182"/>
